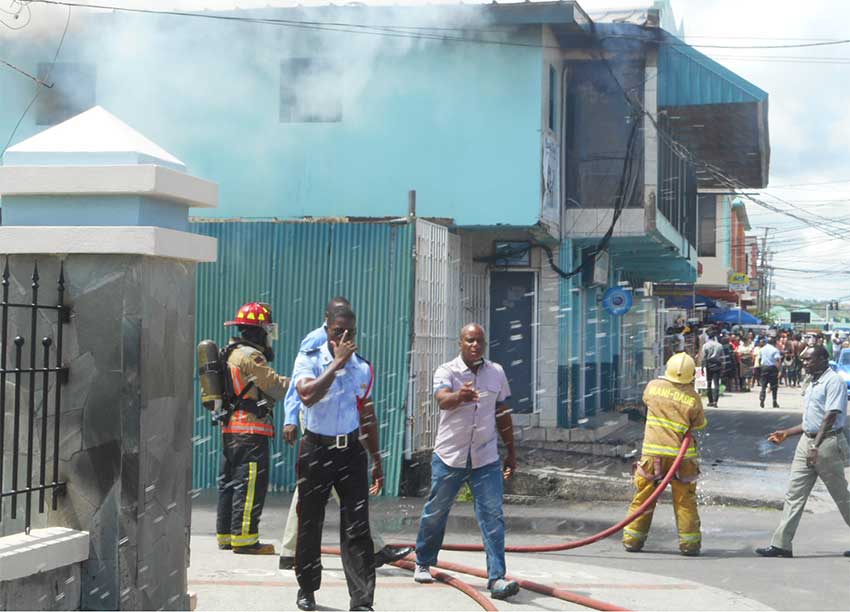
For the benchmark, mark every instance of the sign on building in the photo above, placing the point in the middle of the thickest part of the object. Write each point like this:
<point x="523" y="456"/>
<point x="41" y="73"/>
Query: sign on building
<point x="738" y="281"/>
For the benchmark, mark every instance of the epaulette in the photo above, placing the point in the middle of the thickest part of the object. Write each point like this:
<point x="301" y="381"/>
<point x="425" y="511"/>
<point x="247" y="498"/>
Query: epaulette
<point x="312" y="351"/>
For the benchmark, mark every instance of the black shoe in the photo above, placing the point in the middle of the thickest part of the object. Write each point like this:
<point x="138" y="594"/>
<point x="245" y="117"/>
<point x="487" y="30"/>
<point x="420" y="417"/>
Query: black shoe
<point x="761" y="405"/>
<point x="773" y="551"/>
<point x="690" y="552"/>
<point x="361" y="608"/>
<point x="847" y="553"/>
<point x="286" y="563"/>
<point x="775" y="405"/>
<point x="305" y="600"/>
<point x="391" y="554"/>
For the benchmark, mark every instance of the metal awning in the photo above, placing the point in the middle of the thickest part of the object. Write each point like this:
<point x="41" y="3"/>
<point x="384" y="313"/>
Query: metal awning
<point x="716" y="114"/>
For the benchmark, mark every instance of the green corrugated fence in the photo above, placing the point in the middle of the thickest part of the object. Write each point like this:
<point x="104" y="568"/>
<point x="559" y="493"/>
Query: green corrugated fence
<point x="297" y="267"/>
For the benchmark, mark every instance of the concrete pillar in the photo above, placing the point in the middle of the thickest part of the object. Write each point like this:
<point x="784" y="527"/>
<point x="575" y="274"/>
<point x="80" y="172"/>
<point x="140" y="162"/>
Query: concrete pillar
<point x="113" y="207"/>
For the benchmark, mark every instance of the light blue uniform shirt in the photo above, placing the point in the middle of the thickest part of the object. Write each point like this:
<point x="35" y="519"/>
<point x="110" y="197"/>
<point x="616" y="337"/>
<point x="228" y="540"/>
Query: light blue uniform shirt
<point x="292" y="401"/>
<point x="338" y="411"/>
<point x="827" y="394"/>
<point x="769" y="355"/>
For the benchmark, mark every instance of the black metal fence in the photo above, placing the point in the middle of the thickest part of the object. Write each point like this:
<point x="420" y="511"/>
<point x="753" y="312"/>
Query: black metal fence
<point x="22" y="370"/>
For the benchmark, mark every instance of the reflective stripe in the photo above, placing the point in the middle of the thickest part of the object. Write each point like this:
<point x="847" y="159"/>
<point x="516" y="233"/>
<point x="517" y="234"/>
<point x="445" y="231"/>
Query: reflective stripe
<point x="667" y="451"/>
<point x="223" y="538"/>
<point x="236" y="377"/>
<point x="703" y="426"/>
<point x="638" y="535"/>
<point x="249" y="498"/>
<point x="241" y="422"/>
<point x="666" y="424"/>
<point x="261" y="429"/>
<point x="690" y="537"/>
<point x="246" y="540"/>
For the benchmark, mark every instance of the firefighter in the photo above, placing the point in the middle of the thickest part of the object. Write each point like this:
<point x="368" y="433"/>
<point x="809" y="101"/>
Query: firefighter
<point x="252" y="388"/>
<point x="673" y="409"/>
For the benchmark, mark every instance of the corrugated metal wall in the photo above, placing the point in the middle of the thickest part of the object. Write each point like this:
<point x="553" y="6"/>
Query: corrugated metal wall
<point x="297" y="267"/>
<point x="688" y="77"/>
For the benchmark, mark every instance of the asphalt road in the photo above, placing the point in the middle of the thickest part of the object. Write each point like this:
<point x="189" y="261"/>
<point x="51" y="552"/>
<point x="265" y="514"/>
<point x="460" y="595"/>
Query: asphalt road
<point x="818" y="578"/>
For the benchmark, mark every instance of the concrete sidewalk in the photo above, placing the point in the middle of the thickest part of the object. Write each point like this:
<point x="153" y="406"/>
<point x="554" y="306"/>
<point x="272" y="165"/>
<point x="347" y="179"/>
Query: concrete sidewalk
<point x="257" y="584"/>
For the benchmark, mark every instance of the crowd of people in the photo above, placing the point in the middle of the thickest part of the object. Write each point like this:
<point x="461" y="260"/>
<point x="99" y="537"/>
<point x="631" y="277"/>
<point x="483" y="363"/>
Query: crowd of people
<point x="742" y="359"/>
<point x="328" y="402"/>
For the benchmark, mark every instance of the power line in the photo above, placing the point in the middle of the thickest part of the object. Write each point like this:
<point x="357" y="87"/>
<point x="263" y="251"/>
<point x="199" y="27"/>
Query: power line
<point x="809" y="184"/>
<point x="825" y="43"/>
<point x="39" y="89"/>
<point x="401" y="31"/>
<point x="25" y="73"/>
<point x="786" y="60"/>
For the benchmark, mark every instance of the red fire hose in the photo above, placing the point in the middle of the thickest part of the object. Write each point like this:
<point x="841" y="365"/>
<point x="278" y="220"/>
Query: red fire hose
<point x="671" y="473"/>
<point x="543" y="589"/>
<point x="562" y="594"/>
<point x="460" y="585"/>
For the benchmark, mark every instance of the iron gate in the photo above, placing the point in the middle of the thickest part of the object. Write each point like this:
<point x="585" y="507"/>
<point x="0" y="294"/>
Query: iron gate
<point x="30" y="370"/>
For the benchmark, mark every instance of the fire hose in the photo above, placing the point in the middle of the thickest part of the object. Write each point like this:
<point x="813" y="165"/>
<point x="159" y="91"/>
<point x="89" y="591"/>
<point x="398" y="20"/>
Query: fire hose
<point x="671" y="473"/>
<point x="543" y="589"/>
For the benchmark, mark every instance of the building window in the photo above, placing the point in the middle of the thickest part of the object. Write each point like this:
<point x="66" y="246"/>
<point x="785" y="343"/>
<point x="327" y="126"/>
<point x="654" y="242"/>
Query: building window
<point x="72" y="93"/>
<point x="707" y="210"/>
<point x="553" y="98"/>
<point x="310" y="91"/>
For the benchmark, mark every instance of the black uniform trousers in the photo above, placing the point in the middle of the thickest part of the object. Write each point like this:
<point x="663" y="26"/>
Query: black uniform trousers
<point x="713" y="374"/>
<point x="321" y="467"/>
<point x="769" y="376"/>
<point x="243" y="480"/>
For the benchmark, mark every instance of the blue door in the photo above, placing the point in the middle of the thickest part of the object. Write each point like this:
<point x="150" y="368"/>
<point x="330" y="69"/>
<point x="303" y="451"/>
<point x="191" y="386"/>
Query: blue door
<point x="511" y="345"/>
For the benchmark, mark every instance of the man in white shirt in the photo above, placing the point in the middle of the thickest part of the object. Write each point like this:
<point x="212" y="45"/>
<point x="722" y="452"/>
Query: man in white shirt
<point x="472" y="393"/>
<point x="822" y="451"/>
<point x="770" y="358"/>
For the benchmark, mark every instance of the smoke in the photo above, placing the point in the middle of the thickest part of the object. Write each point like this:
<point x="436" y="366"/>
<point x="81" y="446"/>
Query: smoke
<point x="249" y="86"/>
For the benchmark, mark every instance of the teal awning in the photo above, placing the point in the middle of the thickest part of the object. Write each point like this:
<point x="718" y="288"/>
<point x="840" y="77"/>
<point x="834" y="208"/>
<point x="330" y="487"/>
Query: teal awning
<point x="716" y="114"/>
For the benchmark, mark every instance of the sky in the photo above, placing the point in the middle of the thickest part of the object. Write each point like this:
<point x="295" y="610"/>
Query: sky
<point x="809" y="127"/>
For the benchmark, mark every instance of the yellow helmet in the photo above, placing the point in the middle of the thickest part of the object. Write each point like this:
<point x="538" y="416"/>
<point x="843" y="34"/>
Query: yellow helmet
<point x="681" y="369"/>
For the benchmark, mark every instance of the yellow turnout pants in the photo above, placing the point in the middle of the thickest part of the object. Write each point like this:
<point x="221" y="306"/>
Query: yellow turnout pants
<point x="649" y="473"/>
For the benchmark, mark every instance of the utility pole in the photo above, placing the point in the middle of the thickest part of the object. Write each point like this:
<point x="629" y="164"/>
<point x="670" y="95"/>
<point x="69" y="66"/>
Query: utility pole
<point x="764" y="276"/>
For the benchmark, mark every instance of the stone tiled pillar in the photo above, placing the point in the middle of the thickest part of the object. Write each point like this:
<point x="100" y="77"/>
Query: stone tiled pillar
<point x="118" y="207"/>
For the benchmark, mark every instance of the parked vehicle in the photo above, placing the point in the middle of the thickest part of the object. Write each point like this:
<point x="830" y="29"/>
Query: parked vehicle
<point x="842" y="367"/>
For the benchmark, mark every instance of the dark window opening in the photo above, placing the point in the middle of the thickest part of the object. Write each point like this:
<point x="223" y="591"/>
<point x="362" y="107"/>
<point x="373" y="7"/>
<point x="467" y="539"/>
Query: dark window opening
<point x="73" y="91"/>
<point x="707" y="210"/>
<point x="553" y="97"/>
<point x="310" y="91"/>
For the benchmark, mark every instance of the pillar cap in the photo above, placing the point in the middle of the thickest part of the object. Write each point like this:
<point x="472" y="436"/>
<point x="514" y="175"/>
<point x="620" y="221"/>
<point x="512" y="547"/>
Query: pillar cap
<point x="95" y="137"/>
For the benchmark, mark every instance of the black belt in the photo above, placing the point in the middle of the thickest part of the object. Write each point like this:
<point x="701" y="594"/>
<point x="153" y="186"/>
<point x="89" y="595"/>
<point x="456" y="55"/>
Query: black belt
<point x="833" y="432"/>
<point x="341" y="441"/>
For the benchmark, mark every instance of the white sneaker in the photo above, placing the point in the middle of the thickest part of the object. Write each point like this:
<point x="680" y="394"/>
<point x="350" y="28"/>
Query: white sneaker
<point x="422" y="575"/>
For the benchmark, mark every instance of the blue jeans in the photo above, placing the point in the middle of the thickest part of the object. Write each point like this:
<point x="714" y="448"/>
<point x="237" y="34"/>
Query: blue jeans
<point x="487" y="487"/>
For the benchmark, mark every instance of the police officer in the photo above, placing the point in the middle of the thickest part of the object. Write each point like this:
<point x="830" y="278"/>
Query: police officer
<point x="292" y="406"/>
<point x="252" y="388"/>
<point x="335" y="387"/>
<point x="673" y="408"/>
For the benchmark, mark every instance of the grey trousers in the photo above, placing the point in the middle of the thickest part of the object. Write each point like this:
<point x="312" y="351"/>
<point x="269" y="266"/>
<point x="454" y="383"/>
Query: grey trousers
<point x="832" y="458"/>
<point x="290" y="531"/>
